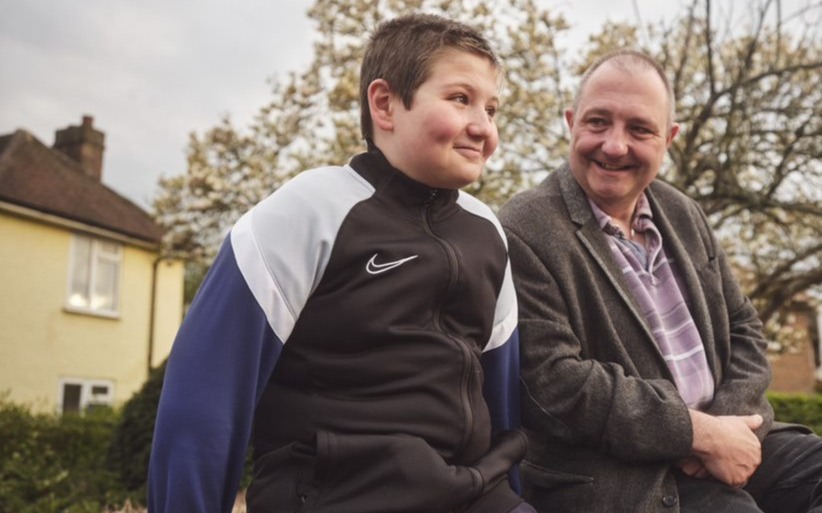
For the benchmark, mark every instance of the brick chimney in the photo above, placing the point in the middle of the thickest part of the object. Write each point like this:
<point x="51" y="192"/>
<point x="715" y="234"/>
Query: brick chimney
<point x="84" y="144"/>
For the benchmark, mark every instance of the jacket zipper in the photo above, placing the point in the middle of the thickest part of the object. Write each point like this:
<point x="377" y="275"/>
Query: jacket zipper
<point x="453" y="277"/>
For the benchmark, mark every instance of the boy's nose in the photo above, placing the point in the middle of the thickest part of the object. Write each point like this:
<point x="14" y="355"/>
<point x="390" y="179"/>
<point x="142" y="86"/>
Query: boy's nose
<point x="481" y="125"/>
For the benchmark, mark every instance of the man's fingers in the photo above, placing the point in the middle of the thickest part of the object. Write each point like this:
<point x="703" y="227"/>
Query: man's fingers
<point x="753" y="421"/>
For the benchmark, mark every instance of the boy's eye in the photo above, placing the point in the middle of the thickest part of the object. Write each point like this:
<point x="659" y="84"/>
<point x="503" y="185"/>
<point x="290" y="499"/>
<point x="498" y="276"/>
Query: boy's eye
<point x="461" y="98"/>
<point x="492" y="111"/>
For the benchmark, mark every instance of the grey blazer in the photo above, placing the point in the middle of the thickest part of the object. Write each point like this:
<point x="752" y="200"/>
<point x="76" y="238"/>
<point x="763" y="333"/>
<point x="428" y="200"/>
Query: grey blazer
<point x="603" y="415"/>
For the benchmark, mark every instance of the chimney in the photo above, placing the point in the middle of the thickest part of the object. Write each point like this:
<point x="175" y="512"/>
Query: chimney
<point x="84" y="144"/>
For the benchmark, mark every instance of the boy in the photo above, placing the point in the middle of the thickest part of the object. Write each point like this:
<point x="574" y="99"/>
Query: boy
<point x="352" y="317"/>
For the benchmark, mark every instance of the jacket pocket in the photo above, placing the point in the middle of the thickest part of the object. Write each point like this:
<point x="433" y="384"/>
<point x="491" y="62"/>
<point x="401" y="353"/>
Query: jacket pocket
<point x="547" y="479"/>
<point x="283" y="480"/>
<point x="387" y="474"/>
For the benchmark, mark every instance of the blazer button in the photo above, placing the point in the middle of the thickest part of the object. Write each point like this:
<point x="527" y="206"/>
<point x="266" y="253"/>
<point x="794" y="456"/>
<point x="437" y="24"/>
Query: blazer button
<point x="669" y="501"/>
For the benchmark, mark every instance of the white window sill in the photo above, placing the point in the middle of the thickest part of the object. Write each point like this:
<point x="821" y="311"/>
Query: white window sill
<point x="106" y="314"/>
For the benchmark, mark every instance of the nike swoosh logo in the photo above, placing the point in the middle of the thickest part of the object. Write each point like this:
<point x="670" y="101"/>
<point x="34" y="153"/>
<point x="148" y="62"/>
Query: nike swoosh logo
<point x="372" y="267"/>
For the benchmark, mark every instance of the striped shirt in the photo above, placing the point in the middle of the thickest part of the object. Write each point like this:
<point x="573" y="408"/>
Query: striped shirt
<point x="658" y="289"/>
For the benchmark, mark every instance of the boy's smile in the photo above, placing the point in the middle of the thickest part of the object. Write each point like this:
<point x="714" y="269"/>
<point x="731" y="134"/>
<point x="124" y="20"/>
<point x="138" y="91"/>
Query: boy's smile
<point x="449" y="132"/>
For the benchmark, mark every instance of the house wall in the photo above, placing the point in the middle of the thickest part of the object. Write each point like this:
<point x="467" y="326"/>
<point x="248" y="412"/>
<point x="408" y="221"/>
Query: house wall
<point x="168" y="312"/>
<point x="795" y="370"/>
<point x="42" y="342"/>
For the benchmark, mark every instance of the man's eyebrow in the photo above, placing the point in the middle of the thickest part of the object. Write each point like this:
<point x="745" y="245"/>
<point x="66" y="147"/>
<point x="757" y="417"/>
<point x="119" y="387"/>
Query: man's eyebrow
<point x="596" y="111"/>
<point x="601" y="111"/>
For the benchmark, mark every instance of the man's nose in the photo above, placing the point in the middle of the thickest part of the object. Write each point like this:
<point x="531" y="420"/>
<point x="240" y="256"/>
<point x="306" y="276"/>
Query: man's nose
<point x="615" y="143"/>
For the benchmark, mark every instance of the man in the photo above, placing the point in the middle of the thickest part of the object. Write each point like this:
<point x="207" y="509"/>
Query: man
<point x="643" y="365"/>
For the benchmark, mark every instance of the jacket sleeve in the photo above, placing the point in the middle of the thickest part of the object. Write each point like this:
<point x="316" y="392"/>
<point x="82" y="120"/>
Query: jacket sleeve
<point x="501" y="386"/>
<point x="220" y="362"/>
<point x="232" y="337"/>
<point x="577" y="400"/>
<point x="744" y="372"/>
<point x="500" y="359"/>
<point x="500" y="363"/>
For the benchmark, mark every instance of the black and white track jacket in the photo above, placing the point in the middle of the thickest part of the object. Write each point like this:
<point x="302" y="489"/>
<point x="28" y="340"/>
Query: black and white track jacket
<point x="362" y="325"/>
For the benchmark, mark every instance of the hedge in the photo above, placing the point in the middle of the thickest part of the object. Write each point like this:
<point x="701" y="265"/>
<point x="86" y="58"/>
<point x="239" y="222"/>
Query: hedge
<point x="799" y="409"/>
<point x="52" y="463"/>
<point x="131" y="441"/>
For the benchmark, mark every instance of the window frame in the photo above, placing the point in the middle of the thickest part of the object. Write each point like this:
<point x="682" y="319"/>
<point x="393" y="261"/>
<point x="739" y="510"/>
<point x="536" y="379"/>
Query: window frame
<point x="87" y="397"/>
<point x="97" y="253"/>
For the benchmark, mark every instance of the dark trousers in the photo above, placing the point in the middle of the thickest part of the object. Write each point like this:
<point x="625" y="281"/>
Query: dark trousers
<point x="789" y="480"/>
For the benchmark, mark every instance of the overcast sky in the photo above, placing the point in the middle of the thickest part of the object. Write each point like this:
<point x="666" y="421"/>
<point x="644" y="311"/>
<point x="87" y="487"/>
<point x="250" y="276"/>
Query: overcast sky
<point x="152" y="71"/>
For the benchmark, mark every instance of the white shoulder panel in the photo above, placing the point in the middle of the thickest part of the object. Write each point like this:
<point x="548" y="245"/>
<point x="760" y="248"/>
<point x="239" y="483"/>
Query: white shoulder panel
<point x="283" y="244"/>
<point x="505" y="315"/>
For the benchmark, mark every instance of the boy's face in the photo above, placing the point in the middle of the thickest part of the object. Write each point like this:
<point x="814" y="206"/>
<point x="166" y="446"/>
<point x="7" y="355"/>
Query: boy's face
<point x="449" y="132"/>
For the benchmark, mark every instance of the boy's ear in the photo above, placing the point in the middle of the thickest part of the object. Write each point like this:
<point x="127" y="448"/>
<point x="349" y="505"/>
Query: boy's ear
<point x="380" y="104"/>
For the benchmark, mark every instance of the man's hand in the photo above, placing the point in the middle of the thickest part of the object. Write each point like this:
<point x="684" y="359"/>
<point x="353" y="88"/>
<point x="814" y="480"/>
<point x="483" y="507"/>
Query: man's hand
<point x="727" y="446"/>
<point x="693" y="467"/>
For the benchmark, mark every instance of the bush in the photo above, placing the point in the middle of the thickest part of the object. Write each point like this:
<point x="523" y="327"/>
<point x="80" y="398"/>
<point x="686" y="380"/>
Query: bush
<point x="798" y="408"/>
<point x="131" y="443"/>
<point x="50" y="462"/>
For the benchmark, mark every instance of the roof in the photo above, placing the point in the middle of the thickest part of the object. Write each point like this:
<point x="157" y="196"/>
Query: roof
<point x="41" y="178"/>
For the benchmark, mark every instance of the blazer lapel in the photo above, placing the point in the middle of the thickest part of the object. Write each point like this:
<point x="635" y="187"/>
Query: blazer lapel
<point x="591" y="236"/>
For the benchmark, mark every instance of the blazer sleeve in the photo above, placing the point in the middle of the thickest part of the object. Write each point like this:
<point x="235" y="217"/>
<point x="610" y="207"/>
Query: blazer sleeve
<point x="744" y="373"/>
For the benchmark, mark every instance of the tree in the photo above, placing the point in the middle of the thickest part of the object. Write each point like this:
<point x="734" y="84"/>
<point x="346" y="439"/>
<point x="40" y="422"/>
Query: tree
<point x="751" y="150"/>
<point x="747" y="97"/>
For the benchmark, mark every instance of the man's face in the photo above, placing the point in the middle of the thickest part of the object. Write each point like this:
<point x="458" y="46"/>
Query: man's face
<point x="449" y="132"/>
<point x="619" y="135"/>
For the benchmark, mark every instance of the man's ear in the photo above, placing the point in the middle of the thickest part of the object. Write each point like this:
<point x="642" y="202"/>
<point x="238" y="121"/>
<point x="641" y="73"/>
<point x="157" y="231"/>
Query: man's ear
<point x="380" y="104"/>
<point x="569" y="117"/>
<point x="672" y="133"/>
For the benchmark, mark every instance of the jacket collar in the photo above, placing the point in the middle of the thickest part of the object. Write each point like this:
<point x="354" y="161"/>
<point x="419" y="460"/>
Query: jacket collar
<point x="390" y="182"/>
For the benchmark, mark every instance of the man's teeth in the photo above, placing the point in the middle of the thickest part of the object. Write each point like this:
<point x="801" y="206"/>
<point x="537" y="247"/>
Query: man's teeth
<point x="612" y="168"/>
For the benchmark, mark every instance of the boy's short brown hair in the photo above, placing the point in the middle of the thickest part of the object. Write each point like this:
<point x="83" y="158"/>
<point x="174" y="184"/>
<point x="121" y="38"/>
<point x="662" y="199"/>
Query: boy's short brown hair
<point x="401" y="51"/>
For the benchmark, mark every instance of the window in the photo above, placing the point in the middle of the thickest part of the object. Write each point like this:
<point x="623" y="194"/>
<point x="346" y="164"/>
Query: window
<point x="79" y="395"/>
<point x="94" y="278"/>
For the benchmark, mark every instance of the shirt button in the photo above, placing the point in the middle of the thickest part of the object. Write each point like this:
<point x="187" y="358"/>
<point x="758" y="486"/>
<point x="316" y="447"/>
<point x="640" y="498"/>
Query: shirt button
<point x="669" y="501"/>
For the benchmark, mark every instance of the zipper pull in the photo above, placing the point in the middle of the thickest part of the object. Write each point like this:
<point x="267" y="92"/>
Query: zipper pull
<point x="431" y="197"/>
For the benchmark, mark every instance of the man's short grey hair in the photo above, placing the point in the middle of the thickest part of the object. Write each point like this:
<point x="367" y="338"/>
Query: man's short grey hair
<point x="628" y="60"/>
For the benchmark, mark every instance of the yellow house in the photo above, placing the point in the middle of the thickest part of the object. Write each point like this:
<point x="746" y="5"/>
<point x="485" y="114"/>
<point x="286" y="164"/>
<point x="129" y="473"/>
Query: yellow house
<point x="87" y="304"/>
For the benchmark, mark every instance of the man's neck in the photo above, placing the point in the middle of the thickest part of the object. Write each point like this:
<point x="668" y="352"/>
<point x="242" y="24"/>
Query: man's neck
<point x="621" y="215"/>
